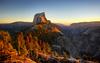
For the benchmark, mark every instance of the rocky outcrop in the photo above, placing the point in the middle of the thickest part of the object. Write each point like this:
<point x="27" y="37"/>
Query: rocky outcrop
<point x="40" y="18"/>
<point x="49" y="32"/>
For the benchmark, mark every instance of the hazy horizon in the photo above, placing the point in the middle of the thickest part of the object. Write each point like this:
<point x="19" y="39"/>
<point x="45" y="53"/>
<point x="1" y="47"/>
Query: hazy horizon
<point x="58" y="11"/>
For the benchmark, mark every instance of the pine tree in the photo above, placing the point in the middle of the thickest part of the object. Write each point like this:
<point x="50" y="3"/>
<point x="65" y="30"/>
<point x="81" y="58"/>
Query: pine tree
<point x="21" y="44"/>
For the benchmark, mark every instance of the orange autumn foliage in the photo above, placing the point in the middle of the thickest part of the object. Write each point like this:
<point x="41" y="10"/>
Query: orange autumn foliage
<point x="7" y="53"/>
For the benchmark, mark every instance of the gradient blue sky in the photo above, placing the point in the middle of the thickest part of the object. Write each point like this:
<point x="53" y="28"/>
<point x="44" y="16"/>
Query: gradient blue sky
<point x="59" y="11"/>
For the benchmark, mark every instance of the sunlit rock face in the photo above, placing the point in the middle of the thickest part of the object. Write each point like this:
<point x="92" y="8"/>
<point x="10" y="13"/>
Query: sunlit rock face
<point x="40" y="21"/>
<point x="40" y="18"/>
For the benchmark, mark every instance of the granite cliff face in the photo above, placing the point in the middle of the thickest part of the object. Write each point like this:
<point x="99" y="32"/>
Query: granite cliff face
<point x="49" y="32"/>
<point x="86" y="41"/>
<point x="40" y="18"/>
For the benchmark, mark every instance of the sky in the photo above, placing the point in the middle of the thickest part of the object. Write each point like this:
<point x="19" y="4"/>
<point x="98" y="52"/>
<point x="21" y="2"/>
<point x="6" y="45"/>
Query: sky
<point x="58" y="11"/>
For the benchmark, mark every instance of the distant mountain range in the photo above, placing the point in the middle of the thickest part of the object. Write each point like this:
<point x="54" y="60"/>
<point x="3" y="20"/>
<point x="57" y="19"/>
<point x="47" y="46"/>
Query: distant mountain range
<point x="61" y="26"/>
